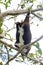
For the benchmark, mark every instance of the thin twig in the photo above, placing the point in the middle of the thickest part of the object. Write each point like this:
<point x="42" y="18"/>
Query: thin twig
<point x="2" y="52"/>
<point x="20" y="50"/>
<point x="37" y="16"/>
<point x="10" y="18"/>
<point x="5" y="26"/>
<point x="35" y="60"/>
<point x="25" y="46"/>
<point x="2" y="37"/>
<point x="12" y="58"/>
<point x="3" y="42"/>
<point x="7" y="53"/>
<point x="10" y="29"/>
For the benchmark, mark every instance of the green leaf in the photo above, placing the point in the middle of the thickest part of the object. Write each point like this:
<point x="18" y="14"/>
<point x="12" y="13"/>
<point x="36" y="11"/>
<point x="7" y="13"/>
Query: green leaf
<point x="1" y="63"/>
<point x="5" y="0"/>
<point x="35" y="62"/>
<point x="22" y="57"/>
<point x="27" y="1"/>
<point x="41" y="63"/>
<point x="31" y="55"/>
<point x="39" y="14"/>
<point x="6" y="5"/>
<point x="1" y="45"/>
<point x="1" y="31"/>
<point x="10" y="50"/>
<point x="22" y="5"/>
<point x="37" y="45"/>
<point x="6" y="34"/>
<point x="9" y="1"/>
<point x="11" y="39"/>
<point x="0" y="0"/>
<point x="1" y="22"/>
<point x="39" y="51"/>
<point x="30" y="8"/>
<point x="31" y="1"/>
<point x="40" y="5"/>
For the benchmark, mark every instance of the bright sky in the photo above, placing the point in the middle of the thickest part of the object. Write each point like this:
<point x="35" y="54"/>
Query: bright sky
<point x="36" y="31"/>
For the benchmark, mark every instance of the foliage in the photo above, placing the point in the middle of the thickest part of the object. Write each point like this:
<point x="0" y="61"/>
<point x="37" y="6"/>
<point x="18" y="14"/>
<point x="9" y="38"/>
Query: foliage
<point x="1" y="63"/>
<point x="39" y="51"/>
<point x="1" y="23"/>
<point x="5" y="2"/>
<point x="6" y="52"/>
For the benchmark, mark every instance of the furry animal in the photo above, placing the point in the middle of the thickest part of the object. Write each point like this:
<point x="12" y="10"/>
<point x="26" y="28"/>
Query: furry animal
<point x="23" y="33"/>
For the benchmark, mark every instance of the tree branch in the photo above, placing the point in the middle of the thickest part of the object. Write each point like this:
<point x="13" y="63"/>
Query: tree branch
<point x="2" y="37"/>
<point x="33" y="41"/>
<point x="13" y="58"/>
<point x="6" y="44"/>
<point x="11" y="29"/>
<point x="35" y="60"/>
<point x="37" y="16"/>
<point x="7" y="53"/>
<point x="17" y="12"/>
<point x="20" y="50"/>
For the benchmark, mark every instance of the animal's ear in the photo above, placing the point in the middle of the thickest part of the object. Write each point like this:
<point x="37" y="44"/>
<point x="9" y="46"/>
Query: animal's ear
<point x="16" y="22"/>
<point x="28" y="14"/>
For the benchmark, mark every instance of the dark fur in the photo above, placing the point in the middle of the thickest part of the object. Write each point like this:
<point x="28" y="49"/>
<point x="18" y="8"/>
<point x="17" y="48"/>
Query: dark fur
<point x="27" y="33"/>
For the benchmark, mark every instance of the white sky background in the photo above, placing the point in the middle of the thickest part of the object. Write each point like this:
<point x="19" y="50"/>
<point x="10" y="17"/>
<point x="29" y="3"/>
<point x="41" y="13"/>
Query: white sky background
<point x="36" y="31"/>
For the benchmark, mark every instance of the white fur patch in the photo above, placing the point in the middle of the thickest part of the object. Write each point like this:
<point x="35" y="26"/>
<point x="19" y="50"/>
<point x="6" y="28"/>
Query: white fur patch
<point x="21" y="31"/>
